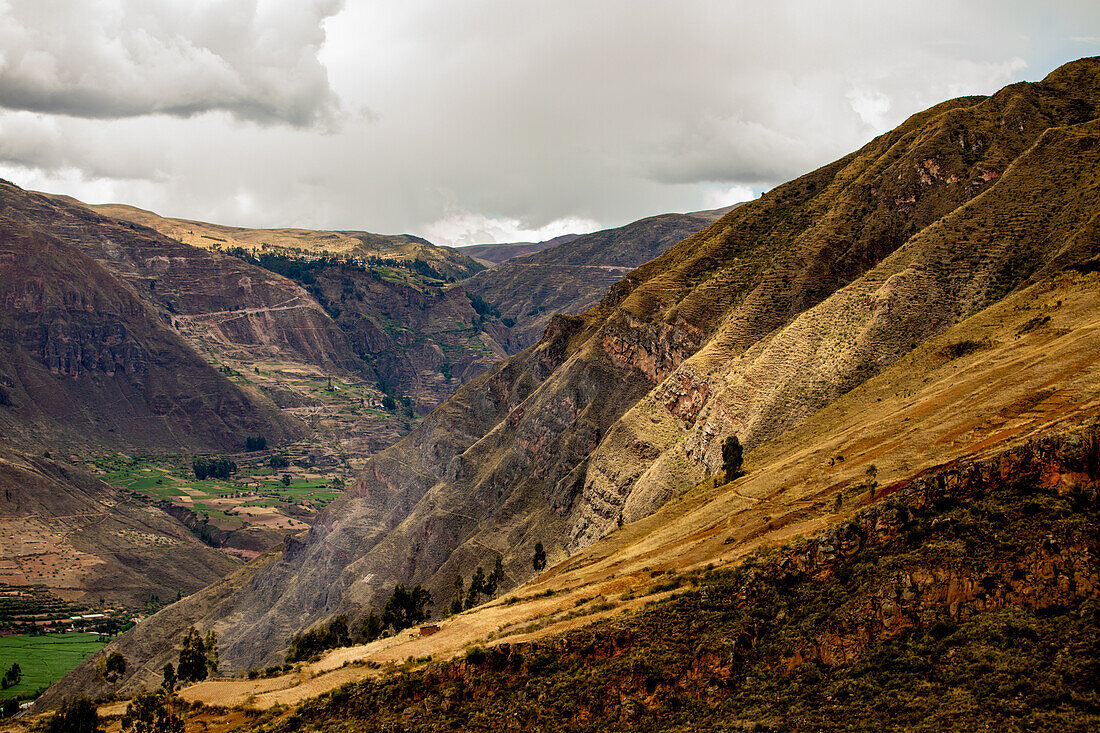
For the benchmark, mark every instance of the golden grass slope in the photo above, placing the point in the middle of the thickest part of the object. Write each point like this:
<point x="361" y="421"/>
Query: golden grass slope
<point x="927" y="410"/>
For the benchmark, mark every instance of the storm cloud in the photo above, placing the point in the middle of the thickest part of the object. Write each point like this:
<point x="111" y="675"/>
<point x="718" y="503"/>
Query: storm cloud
<point x="105" y="59"/>
<point x="483" y="119"/>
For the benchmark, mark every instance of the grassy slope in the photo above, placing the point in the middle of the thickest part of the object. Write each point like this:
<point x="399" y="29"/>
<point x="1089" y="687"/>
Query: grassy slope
<point x="858" y="637"/>
<point x="343" y="243"/>
<point x="929" y="409"/>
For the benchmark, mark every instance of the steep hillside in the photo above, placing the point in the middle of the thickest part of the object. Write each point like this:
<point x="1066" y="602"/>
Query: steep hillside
<point x="415" y="337"/>
<point x="84" y="364"/>
<point x="944" y="418"/>
<point x="967" y="601"/>
<point x="65" y="530"/>
<point x="350" y="244"/>
<point x="785" y="306"/>
<point x="494" y="254"/>
<point x="571" y="276"/>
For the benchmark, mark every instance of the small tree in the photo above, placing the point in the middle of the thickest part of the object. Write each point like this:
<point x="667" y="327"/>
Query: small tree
<point x="110" y="668"/>
<point x="192" y="662"/>
<point x="477" y="587"/>
<point x="211" y="648"/>
<point x="168" y="683"/>
<point x="76" y="716"/>
<point x="12" y="676"/>
<point x="732" y="457"/>
<point x="539" y="560"/>
<point x="285" y="480"/>
<point x="456" y="601"/>
<point x="370" y="628"/>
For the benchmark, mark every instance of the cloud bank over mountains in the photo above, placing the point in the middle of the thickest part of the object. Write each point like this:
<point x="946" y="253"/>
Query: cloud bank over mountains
<point x="481" y="119"/>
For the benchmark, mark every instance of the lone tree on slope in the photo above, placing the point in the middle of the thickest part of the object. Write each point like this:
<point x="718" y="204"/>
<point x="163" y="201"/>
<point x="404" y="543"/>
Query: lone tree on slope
<point x="732" y="453"/>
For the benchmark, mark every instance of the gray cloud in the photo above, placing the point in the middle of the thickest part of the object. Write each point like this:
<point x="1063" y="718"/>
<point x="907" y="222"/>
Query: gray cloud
<point x="511" y="119"/>
<point x="99" y="59"/>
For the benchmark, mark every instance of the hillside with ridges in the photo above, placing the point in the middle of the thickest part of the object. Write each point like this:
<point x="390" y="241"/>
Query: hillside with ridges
<point x="86" y="365"/>
<point x="452" y="263"/>
<point x="536" y="450"/>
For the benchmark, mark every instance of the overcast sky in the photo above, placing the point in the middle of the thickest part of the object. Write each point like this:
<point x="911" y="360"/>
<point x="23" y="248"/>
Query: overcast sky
<point x="479" y="121"/>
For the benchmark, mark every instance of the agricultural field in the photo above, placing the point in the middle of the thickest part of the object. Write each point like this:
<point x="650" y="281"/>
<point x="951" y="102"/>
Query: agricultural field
<point x="252" y="509"/>
<point x="44" y="659"/>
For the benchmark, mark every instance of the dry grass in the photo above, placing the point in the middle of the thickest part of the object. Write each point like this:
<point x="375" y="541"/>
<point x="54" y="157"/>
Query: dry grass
<point x="922" y="412"/>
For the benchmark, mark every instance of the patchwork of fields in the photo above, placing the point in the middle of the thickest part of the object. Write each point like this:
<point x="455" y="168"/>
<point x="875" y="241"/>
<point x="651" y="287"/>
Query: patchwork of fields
<point x="44" y="659"/>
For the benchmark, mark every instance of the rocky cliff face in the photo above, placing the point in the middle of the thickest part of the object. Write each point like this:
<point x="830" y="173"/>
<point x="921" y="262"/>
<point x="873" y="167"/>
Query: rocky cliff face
<point x="78" y="344"/>
<point x="747" y="327"/>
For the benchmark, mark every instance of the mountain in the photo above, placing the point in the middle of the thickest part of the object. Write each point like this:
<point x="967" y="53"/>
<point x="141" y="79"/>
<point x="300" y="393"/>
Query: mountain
<point x="977" y="215"/>
<point x="83" y="540"/>
<point x="78" y="344"/>
<point x="573" y="275"/>
<point x="494" y="254"/>
<point x="314" y="242"/>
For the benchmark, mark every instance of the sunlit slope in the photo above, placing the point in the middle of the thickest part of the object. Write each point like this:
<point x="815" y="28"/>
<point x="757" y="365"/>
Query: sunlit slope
<point x="752" y="326"/>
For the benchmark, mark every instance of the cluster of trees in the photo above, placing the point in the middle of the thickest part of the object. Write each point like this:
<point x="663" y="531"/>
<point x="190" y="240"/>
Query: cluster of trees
<point x="482" y="306"/>
<point x="279" y="460"/>
<point x="110" y="668"/>
<point x="75" y="716"/>
<point x="391" y="398"/>
<point x="12" y="676"/>
<point x="206" y="468"/>
<point x="255" y="443"/>
<point x="310" y="643"/>
<point x="198" y="658"/>
<point x="404" y="608"/>
<point x="480" y="585"/>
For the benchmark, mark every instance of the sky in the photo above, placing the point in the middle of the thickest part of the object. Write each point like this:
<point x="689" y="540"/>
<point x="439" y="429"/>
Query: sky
<point x="482" y="121"/>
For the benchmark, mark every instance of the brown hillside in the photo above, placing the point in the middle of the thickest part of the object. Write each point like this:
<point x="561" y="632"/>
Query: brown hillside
<point x="758" y="325"/>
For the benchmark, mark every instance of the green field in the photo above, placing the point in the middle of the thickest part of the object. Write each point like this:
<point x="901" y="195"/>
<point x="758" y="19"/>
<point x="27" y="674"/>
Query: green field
<point x="44" y="659"/>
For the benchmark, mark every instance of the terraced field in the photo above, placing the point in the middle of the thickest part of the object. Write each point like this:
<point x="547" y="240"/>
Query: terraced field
<point x="242" y="515"/>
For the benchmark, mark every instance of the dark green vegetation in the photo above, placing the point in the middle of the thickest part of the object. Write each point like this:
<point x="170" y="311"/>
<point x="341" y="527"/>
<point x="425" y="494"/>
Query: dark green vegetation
<point x="78" y="715"/>
<point x="43" y="659"/>
<point x="855" y="630"/>
<point x="313" y="642"/>
<point x="205" y="468"/>
<point x="198" y="656"/>
<point x="152" y="712"/>
<point x="12" y="676"/>
<point x="732" y="457"/>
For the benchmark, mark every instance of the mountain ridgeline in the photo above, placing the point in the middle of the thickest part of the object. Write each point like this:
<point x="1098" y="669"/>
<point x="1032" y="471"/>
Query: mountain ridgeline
<point x="752" y="326"/>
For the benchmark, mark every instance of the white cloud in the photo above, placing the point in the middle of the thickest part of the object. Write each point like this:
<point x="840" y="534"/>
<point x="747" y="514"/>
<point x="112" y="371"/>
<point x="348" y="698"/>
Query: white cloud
<point x="716" y="198"/>
<point x="481" y="120"/>
<point x="256" y="59"/>
<point x="463" y="228"/>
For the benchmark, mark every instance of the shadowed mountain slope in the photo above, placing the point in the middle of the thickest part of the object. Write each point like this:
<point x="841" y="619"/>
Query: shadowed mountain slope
<point x="750" y="327"/>
<point x="85" y="364"/>
<point x="83" y="539"/>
